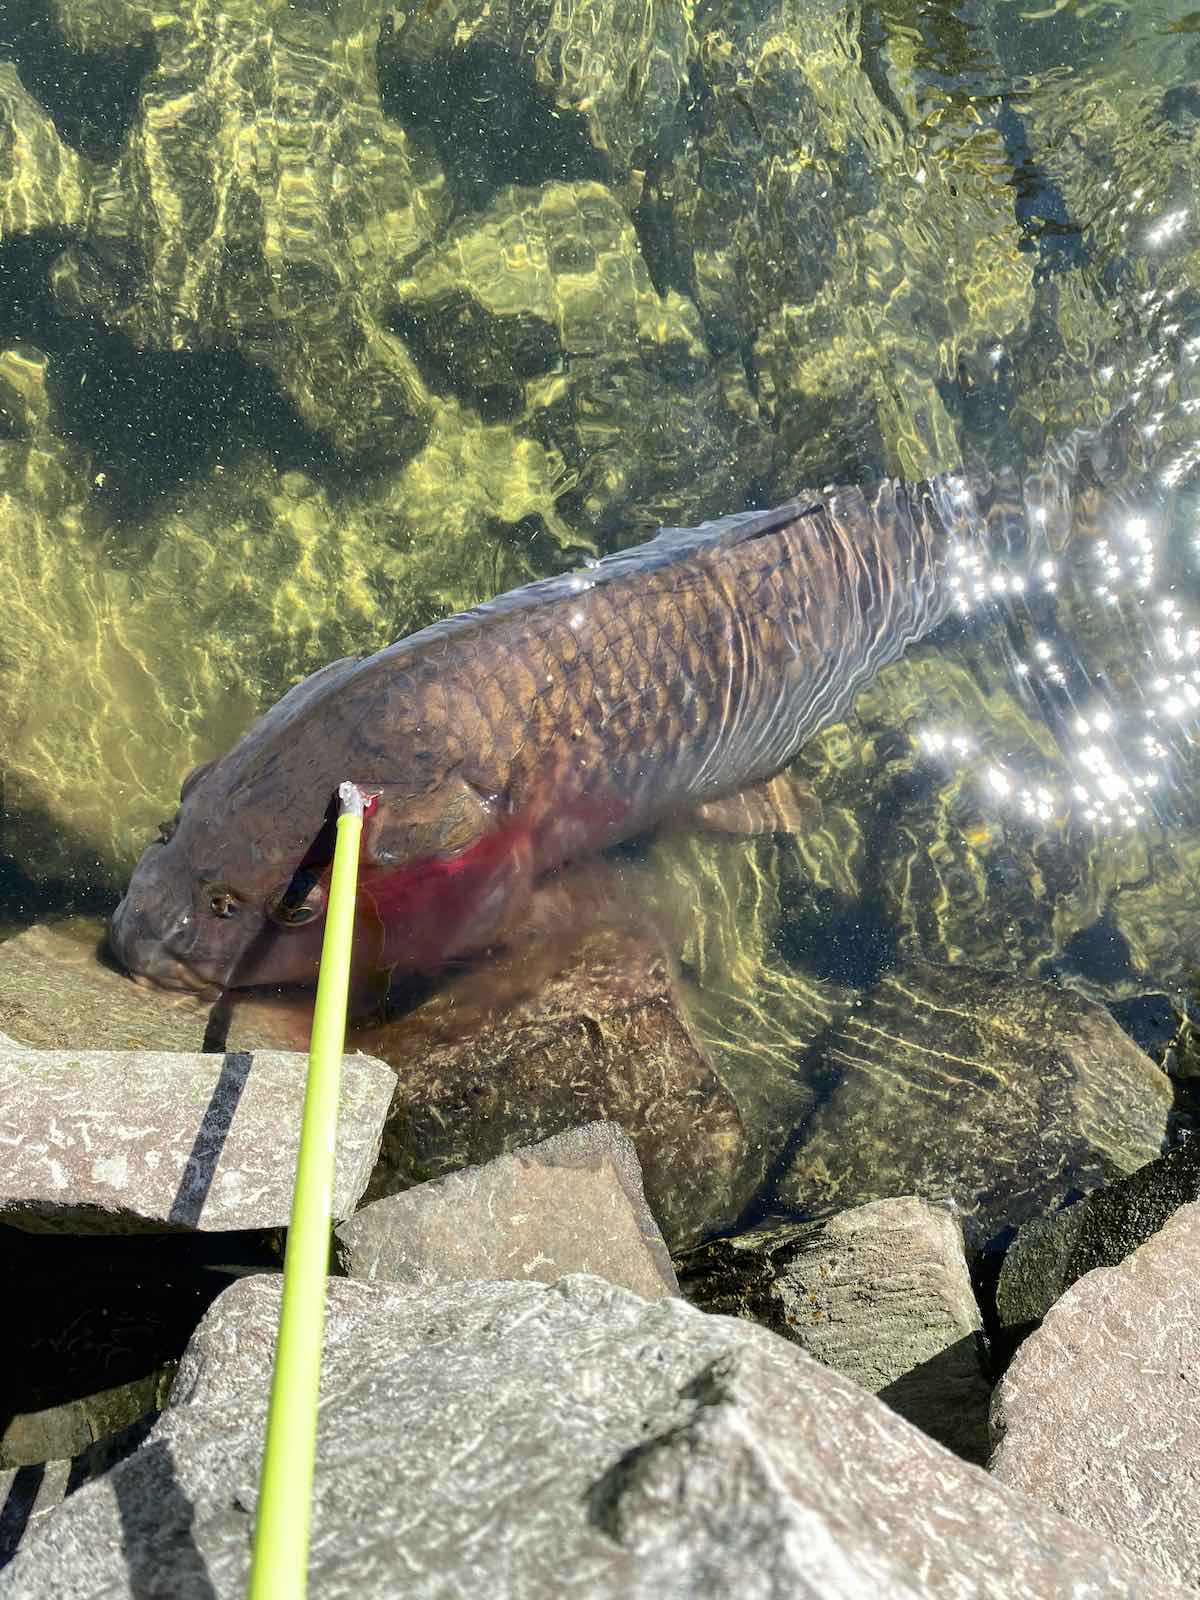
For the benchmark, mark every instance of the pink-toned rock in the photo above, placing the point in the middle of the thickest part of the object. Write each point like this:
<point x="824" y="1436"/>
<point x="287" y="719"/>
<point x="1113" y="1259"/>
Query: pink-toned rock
<point x="1099" y="1414"/>
<point x="136" y="1141"/>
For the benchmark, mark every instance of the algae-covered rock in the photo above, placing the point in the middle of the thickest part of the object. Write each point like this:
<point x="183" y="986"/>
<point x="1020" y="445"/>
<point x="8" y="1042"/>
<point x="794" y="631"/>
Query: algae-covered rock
<point x="58" y="992"/>
<point x="1051" y="1253"/>
<point x="70" y="1428"/>
<point x="721" y="903"/>
<point x="880" y="1293"/>
<point x="262" y="204"/>
<point x="998" y="1094"/>
<point x="542" y="304"/>
<point x="42" y="184"/>
<point x="559" y="77"/>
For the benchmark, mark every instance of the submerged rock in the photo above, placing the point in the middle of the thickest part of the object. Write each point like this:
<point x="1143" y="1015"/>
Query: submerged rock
<point x="573" y="1203"/>
<point x="603" y="1038"/>
<point x="57" y="993"/>
<point x="997" y="1093"/>
<point x="881" y="1294"/>
<point x="1051" y="1253"/>
<point x="103" y="1141"/>
<point x="41" y="178"/>
<point x="250" y="237"/>
<point x="570" y="1439"/>
<point x="1098" y="1415"/>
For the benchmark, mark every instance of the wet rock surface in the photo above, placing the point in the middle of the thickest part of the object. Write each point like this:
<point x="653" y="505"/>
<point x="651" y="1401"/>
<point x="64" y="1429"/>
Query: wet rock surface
<point x="1051" y="1253"/>
<point x="74" y="1426"/>
<point x="602" y="1039"/>
<point x="1099" y="1413"/>
<point x="997" y="1093"/>
<point x="881" y="1294"/>
<point x="573" y="1203"/>
<point x="59" y="992"/>
<point x="728" y="1463"/>
<point x="42" y="179"/>
<point x="102" y="1141"/>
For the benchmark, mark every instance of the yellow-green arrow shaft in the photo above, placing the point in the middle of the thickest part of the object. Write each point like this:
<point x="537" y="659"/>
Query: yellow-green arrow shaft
<point x="281" y="1528"/>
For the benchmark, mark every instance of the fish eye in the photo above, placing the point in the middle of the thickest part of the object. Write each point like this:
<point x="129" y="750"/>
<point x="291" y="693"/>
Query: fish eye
<point x="300" y="901"/>
<point x="222" y="902"/>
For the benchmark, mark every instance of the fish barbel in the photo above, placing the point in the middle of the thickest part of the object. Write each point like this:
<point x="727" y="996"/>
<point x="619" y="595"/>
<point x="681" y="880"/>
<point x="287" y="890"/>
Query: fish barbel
<point x="557" y="719"/>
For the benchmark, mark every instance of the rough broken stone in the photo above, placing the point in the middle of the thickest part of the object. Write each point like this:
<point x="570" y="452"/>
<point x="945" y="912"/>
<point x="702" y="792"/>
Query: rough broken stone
<point x="1051" y="1253"/>
<point x="28" y="1494"/>
<point x="58" y="994"/>
<point x="996" y="1092"/>
<point x="68" y="1429"/>
<point x="102" y="1141"/>
<point x="881" y="1294"/>
<point x="604" y="1038"/>
<point x="514" y="1438"/>
<point x="573" y="1203"/>
<point x="1098" y="1415"/>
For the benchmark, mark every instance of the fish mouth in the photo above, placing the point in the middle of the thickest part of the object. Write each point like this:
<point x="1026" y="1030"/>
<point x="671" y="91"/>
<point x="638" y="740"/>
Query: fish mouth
<point x="148" y="959"/>
<point x="180" y="980"/>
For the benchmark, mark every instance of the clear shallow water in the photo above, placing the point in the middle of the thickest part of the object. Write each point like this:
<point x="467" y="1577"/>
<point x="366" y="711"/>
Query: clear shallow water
<point x="317" y="328"/>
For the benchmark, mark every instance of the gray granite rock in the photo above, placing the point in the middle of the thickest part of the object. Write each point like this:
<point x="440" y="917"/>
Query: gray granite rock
<point x="881" y="1294"/>
<point x="1099" y="1413"/>
<point x="104" y="1141"/>
<point x="573" y="1203"/>
<point x="997" y="1092"/>
<point x="1051" y="1253"/>
<point x="28" y="1494"/>
<point x="524" y="1440"/>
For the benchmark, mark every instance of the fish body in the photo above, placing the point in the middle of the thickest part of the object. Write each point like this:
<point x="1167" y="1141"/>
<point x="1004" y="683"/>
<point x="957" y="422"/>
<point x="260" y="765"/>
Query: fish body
<point x="557" y="719"/>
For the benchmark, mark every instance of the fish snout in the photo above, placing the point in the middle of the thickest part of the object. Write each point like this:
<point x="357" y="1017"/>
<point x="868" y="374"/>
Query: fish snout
<point x="150" y="954"/>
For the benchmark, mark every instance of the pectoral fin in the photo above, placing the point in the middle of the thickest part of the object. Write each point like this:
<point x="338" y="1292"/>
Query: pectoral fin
<point x="783" y="804"/>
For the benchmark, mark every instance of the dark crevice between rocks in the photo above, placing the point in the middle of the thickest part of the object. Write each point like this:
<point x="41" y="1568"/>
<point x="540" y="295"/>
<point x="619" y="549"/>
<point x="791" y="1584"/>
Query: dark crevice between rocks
<point x="104" y="1317"/>
<point x="91" y="95"/>
<point x="485" y="119"/>
<point x="152" y="421"/>
<point x="482" y="360"/>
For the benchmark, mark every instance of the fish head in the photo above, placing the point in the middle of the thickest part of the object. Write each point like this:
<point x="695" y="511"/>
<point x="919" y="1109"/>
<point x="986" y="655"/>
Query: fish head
<point x="215" y="897"/>
<point x="233" y="893"/>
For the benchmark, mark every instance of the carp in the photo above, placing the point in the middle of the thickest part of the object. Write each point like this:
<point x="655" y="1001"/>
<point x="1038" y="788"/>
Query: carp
<point x="553" y="721"/>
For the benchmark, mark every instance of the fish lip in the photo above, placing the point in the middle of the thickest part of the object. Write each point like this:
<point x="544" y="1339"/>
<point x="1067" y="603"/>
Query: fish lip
<point x="179" y="981"/>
